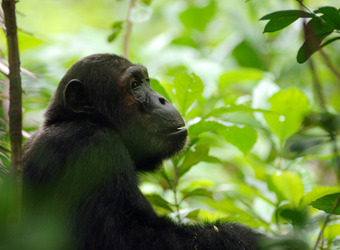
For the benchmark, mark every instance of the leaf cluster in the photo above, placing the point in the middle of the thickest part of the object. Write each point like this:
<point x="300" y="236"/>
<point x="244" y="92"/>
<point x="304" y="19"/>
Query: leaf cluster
<point x="322" y="23"/>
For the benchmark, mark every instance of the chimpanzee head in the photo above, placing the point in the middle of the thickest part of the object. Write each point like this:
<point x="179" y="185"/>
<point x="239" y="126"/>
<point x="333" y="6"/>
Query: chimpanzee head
<point x="115" y="93"/>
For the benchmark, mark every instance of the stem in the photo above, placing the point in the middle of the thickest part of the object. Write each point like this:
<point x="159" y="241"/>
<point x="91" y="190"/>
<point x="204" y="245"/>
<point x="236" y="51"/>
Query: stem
<point x="335" y="149"/>
<point x="175" y="192"/>
<point x="128" y="29"/>
<point x="303" y="5"/>
<point x="316" y="80"/>
<point x="15" y="108"/>
<point x="317" y="85"/>
<point x="329" y="63"/>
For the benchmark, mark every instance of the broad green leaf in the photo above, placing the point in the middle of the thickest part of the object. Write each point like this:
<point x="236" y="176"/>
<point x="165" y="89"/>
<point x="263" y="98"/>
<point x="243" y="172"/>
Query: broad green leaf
<point x="327" y="202"/>
<point x="187" y="213"/>
<point x="317" y="193"/>
<point x="288" y="186"/>
<point x="188" y="89"/>
<point x="157" y="200"/>
<point x="193" y="214"/>
<point x="200" y="183"/>
<point x="212" y="159"/>
<point x="281" y="19"/>
<point x="316" y="31"/>
<point x="198" y="17"/>
<point x="185" y="40"/>
<point x="287" y="14"/>
<point x="205" y="126"/>
<point x="278" y="24"/>
<point x="245" y="50"/>
<point x="289" y="108"/>
<point x="295" y="216"/>
<point x="197" y="192"/>
<point x="331" y="15"/>
<point x="243" y="137"/>
<point x="233" y="108"/>
<point x="28" y="41"/>
<point x="156" y="86"/>
<point x="195" y="155"/>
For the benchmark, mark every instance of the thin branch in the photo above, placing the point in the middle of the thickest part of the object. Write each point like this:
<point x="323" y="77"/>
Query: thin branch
<point x="177" y="205"/>
<point x="304" y="6"/>
<point x="335" y="149"/>
<point x="15" y="109"/>
<point x="317" y="85"/>
<point x="128" y="29"/>
<point x="329" y="63"/>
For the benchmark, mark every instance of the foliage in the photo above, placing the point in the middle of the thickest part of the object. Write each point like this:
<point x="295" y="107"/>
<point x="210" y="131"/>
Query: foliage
<point x="262" y="151"/>
<point x="323" y="22"/>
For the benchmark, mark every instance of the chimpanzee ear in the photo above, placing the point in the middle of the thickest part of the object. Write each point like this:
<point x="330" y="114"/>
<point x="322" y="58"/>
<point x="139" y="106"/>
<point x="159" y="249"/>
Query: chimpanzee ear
<point x="76" y="98"/>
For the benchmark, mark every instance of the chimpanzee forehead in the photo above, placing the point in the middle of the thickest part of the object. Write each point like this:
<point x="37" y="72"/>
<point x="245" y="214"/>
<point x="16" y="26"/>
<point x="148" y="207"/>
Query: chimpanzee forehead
<point x="136" y="69"/>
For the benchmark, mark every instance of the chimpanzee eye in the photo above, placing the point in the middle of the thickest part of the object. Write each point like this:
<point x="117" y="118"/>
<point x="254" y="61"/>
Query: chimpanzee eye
<point x="135" y="84"/>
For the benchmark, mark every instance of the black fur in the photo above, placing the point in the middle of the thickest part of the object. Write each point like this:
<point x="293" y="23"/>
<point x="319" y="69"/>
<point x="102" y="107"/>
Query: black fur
<point x="103" y="125"/>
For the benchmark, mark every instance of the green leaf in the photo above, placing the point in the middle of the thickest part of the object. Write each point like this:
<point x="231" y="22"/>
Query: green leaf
<point x="157" y="200"/>
<point x="205" y="126"/>
<point x="115" y="30"/>
<point x="188" y="89"/>
<point x="317" y="193"/>
<point x="245" y="50"/>
<point x="278" y="24"/>
<point x="197" y="192"/>
<point x="287" y="14"/>
<point x="156" y="86"/>
<point x="331" y="15"/>
<point x="198" y="17"/>
<point x="193" y="214"/>
<point x="295" y="216"/>
<point x="195" y="155"/>
<point x="189" y="213"/>
<point x="281" y="19"/>
<point x="242" y="137"/>
<point x="234" y="108"/>
<point x="289" y="108"/>
<point x="327" y="202"/>
<point x="287" y="186"/>
<point x="316" y="30"/>
<point x="185" y="40"/>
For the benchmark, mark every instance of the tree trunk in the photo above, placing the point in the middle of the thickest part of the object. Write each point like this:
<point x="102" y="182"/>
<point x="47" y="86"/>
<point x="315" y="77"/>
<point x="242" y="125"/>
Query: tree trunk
<point x="15" y="108"/>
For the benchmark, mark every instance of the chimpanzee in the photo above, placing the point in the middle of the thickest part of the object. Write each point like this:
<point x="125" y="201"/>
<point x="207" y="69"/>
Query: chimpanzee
<point x="103" y="125"/>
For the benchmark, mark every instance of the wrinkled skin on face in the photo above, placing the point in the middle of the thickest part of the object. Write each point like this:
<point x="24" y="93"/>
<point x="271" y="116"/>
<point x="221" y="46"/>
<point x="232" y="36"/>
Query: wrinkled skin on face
<point x="157" y="131"/>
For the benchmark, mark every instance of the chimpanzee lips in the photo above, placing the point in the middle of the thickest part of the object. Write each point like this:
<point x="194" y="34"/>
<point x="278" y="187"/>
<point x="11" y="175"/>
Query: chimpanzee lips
<point x="173" y="131"/>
